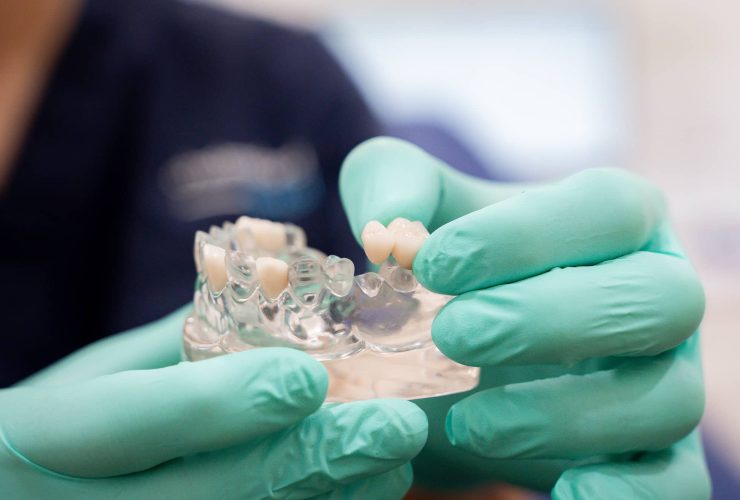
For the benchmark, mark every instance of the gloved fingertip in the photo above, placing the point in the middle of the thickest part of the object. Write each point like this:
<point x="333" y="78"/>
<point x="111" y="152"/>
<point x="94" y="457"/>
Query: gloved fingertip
<point x="314" y="377"/>
<point x="574" y="484"/>
<point x="441" y="263"/>
<point x="407" y="474"/>
<point x="454" y="428"/>
<point x="564" y="490"/>
<point x="426" y="265"/>
<point x="406" y="428"/>
<point x="461" y="432"/>
<point x="446" y="330"/>
<point x="305" y="380"/>
<point x="457" y="333"/>
<point x="404" y="479"/>
<point x="422" y="267"/>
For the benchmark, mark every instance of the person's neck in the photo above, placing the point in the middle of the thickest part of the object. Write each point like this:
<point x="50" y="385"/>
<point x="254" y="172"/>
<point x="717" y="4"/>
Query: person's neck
<point x="32" y="33"/>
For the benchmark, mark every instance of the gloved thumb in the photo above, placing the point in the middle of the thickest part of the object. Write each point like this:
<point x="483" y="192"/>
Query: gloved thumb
<point x="384" y="178"/>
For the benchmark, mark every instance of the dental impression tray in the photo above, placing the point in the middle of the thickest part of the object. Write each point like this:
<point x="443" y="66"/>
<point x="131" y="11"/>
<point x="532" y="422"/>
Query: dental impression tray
<point x="259" y="285"/>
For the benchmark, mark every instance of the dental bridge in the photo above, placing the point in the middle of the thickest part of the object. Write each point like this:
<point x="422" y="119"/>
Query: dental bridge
<point x="260" y="285"/>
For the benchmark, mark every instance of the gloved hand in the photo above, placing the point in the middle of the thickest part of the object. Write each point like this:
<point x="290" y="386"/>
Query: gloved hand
<point x="581" y="309"/>
<point x="248" y="425"/>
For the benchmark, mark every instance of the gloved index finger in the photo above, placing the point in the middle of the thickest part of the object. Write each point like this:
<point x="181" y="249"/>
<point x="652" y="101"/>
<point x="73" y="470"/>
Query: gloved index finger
<point x="593" y="216"/>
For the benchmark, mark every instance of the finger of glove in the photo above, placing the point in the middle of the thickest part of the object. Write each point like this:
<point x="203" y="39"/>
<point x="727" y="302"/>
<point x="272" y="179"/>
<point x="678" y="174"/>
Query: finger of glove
<point x="393" y="484"/>
<point x="131" y="421"/>
<point x="353" y="450"/>
<point x="641" y="304"/>
<point x="154" y="345"/>
<point x="385" y="178"/>
<point x="335" y="447"/>
<point x="339" y="445"/>
<point x="590" y="217"/>
<point x="642" y="404"/>
<point x="678" y="472"/>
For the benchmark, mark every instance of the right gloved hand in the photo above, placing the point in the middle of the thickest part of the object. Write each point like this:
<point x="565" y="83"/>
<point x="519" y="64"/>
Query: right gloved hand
<point x="247" y="425"/>
<point x="576" y="301"/>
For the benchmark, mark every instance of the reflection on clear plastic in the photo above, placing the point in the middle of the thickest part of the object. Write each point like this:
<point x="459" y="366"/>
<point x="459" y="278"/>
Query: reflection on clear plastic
<point x="372" y="331"/>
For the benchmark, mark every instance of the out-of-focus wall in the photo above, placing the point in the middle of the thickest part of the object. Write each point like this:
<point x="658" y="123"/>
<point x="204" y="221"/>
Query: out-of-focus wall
<point x="683" y="97"/>
<point x="686" y="64"/>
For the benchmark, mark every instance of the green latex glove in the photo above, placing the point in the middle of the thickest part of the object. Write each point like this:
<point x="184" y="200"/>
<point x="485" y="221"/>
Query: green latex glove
<point x="581" y="309"/>
<point x="119" y="419"/>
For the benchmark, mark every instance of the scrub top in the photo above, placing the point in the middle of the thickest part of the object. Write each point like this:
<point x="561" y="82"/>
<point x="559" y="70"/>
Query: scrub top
<point x="162" y="118"/>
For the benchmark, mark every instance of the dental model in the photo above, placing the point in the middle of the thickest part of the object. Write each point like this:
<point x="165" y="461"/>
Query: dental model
<point x="259" y="285"/>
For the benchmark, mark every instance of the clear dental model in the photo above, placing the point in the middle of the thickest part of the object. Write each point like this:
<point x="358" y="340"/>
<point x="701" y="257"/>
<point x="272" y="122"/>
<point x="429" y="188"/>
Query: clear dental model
<point x="259" y="285"/>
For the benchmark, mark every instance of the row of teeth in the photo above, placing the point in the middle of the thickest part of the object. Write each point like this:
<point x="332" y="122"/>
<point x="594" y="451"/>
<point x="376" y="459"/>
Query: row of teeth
<point x="402" y="239"/>
<point x="272" y="274"/>
<point x="254" y="236"/>
<point x="275" y="276"/>
<point x="250" y="234"/>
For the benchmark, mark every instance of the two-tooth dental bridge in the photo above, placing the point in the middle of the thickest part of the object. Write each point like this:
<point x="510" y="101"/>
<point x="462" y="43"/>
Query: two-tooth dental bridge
<point x="259" y="285"/>
<point x="402" y="239"/>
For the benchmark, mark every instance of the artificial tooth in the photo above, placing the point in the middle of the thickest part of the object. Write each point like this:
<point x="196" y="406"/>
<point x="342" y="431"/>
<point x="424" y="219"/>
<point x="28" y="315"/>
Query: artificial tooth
<point x="272" y="275"/>
<point x="377" y="241"/>
<point x="267" y="234"/>
<point x="243" y="221"/>
<point x="409" y="237"/>
<point x="398" y="225"/>
<point x="243" y="235"/>
<point x="215" y="266"/>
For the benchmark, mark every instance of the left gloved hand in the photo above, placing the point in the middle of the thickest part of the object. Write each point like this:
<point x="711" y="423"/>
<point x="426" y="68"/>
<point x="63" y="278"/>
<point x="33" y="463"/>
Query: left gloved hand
<point x="121" y="418"/>
<point x="580" y="307"/>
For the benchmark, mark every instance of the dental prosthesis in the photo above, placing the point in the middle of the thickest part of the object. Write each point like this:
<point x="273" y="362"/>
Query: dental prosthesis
<point x="259" y="285"/>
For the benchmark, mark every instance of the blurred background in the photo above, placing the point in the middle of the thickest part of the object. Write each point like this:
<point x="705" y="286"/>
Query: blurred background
<point x="512" y="90"/>
<point x="539" y="89"/>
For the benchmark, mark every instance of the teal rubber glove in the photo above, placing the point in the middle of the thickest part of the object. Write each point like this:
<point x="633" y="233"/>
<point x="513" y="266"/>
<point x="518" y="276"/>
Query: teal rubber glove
<point x="581" y="309"/>
<point x="119" y="419"/>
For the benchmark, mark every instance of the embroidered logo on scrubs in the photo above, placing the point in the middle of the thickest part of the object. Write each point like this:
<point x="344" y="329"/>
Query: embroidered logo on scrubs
<point x="235" y="178"/>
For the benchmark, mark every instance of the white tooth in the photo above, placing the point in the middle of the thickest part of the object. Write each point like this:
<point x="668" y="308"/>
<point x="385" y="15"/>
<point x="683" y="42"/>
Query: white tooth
<point x="215" y="266"/>
<point x="243" y="234"/>
<point x="398" y="225"/>
<point x="377" y="241"/>
<point x="409" y="237"/>
<point x="244" y="221"/>
<point x="272" y="275"/>
<point x="267" y="234"/>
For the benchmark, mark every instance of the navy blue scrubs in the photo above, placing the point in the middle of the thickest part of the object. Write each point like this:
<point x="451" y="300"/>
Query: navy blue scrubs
<point x="161" y="118"/>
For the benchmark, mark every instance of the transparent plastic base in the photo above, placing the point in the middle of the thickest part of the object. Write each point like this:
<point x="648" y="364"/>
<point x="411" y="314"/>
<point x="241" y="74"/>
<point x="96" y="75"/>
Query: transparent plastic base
<point x="372" y="331"/>
<point x="419" y="373"/>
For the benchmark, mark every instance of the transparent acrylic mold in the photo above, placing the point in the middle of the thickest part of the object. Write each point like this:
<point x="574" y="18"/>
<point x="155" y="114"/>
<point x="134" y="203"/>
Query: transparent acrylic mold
<point x="371" y="331"/>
